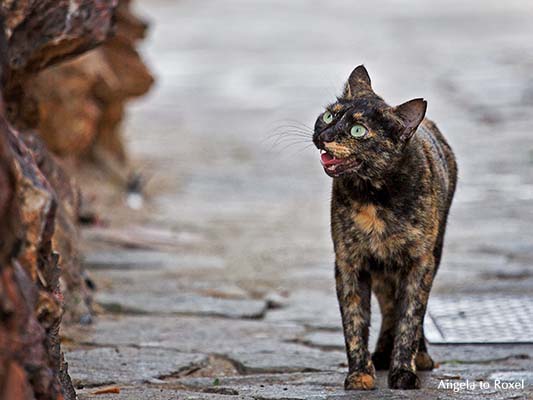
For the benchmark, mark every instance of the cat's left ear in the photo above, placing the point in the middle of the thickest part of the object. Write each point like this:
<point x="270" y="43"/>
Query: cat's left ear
<point x="358" y="80"/>
<point x="411" y="114"/>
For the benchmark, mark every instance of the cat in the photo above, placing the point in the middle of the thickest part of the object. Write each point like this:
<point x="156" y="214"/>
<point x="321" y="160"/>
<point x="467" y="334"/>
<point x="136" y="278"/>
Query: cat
<point x="394" y="177"/>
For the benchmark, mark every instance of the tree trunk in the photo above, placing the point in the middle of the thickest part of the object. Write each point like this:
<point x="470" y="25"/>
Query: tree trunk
<point x="38" y="202"/>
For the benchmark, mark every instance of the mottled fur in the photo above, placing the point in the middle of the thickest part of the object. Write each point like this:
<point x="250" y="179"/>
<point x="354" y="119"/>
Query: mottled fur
<point x="389" y="207"/>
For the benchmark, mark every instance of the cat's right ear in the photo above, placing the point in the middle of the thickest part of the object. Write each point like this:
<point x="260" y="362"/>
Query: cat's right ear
<point x="411" y="114"/>
<point x="358" y="80"/>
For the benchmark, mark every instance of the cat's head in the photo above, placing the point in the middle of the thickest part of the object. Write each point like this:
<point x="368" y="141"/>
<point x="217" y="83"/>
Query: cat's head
<point x="360" y="134"/>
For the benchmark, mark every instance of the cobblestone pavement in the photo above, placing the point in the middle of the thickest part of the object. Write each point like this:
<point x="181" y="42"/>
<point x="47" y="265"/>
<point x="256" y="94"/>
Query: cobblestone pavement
<point x="222" y="286"/>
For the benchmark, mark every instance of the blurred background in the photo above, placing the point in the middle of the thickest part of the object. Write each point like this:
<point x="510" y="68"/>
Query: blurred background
<point x="206" y="252"/>
<point x="246" y="200"/>
<point x="235" y="79"/>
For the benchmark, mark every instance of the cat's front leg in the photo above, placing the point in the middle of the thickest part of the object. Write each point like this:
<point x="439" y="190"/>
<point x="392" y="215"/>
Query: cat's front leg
<point x="353" y="292"/>
<point x="413" y="295"/>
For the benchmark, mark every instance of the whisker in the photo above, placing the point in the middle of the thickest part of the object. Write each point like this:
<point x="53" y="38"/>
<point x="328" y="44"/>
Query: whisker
<point x="296" y="150"/>
<point x="287" y="134"/>
<point x="301" y="150"/>
<point x="295" y="127"/>
<point x="294" y="144"/>
<point x="294" y="123"/>
<point x="299" y="123"/>
<point x="289" y="140"/>
<point x="283" y="129"/>
<point x="290" y="143"/>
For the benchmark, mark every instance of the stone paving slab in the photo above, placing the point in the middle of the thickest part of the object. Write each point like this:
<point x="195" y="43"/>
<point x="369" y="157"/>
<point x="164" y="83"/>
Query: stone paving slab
<point x="319" y="312"/>
<point x="119" y="365"/>
<point x="186" y="333"/>
<point x="286" y="357"/>
<point x="301" y="394"/>
<point x="123" y="260"/>
<point x="324" y="339"/>
<point x="329" y="386"/>
<point x="143" y="237"/>
<point x="464" y="353"/>
<point x="174" y="290"/>
<point x="316" y="309"/>
<point x="184" y="304"/>
<point x="254" y="346"/>
<point x="150" y="393"/>
<point x="172" y="281"/>
<point x="480" y="353"/>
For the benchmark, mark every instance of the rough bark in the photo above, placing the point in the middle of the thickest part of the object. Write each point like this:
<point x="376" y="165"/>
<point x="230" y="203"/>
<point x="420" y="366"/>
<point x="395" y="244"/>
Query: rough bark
<point x="77" y="106"/>
<point x="65" y="239"/>
<point x="38" y="202"/>
<point x="41" y="33"/>
<point x="30" y="299"/>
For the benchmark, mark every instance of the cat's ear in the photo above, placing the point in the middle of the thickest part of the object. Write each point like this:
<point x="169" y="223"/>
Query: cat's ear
<point x="359" y="79"/>
<point x="411" y="114"/>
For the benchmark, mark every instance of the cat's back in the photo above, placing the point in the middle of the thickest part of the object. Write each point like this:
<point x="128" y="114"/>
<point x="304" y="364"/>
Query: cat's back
<point x="439" y="154"/>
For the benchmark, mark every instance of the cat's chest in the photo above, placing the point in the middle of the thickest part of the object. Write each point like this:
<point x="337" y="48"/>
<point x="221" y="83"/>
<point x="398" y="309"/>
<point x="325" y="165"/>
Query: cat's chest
<point x="369" y="230"/>
<point x="367" y="221"/>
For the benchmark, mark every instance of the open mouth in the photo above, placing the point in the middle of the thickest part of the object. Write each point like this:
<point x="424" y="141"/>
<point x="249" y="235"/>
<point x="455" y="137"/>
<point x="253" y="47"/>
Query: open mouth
<point x="334" y="166"/>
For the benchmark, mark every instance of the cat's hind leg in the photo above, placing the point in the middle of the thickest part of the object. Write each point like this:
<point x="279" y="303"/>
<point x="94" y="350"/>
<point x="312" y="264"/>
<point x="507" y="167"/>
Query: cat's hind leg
<point x="423" y="360"/>
<point x="413" y="294"/>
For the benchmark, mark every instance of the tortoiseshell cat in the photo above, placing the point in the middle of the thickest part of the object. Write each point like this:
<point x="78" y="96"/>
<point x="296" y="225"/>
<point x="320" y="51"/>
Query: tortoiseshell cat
<point x="394" y="177"/>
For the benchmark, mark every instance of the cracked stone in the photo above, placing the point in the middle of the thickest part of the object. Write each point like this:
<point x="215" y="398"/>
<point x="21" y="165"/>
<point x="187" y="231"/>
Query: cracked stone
<point x="187" y="333"/>
<point x="170" y="303"/>
<point x="270" y="356"/>
<point x="318" y="386"/>
<point x="254" y="345"/>
<point x="325" y="339"/>
<point x="315" y="309"/>
<point x="281" y="386"/>
<point x="107" y="365"/>
<point x="150" y="393"/>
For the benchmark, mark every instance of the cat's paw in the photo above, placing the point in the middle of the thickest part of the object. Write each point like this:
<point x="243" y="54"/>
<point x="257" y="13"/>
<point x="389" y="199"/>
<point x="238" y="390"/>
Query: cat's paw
<point x="403" y="379"/>
<point x="424" y="362"/>
<point x="359" y="381"/>
<point x="381" y="360"/>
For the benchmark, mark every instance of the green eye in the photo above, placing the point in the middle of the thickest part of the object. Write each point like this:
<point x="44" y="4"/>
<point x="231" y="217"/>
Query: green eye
<point x="327" y="117"/>
<point x="358" y="131"/>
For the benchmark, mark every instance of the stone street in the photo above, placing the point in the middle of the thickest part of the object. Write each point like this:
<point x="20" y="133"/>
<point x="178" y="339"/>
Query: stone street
<point x="221" y="286"/>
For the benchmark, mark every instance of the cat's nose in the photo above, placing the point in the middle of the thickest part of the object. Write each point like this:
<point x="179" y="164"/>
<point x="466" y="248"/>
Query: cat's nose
<point x="327" y="135"/>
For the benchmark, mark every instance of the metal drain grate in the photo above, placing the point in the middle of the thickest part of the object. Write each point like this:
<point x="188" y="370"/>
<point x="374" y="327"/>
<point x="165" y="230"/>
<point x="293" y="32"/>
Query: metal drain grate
<point x="480" y="319"/>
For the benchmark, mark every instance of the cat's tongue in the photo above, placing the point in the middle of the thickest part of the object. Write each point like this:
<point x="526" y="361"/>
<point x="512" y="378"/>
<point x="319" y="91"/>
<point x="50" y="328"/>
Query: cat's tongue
<point x="328" y="160"/>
